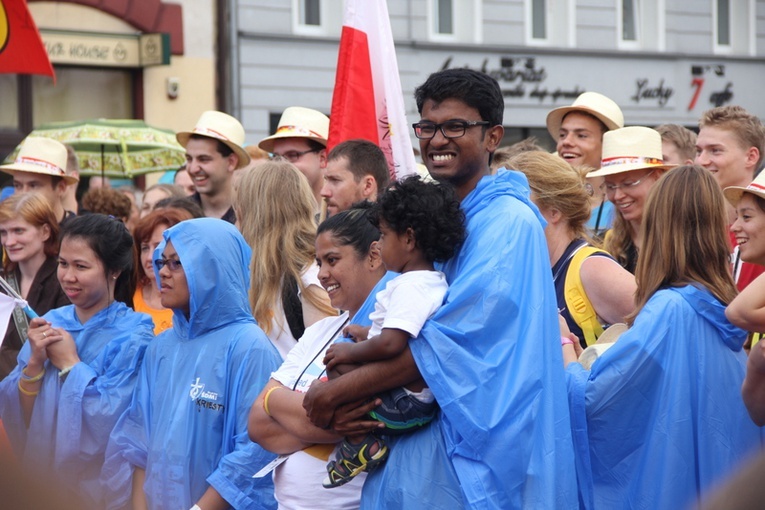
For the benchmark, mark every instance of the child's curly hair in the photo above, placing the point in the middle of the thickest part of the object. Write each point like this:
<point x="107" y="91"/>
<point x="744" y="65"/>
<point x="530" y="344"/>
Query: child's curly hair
<point x="430" y="209"/>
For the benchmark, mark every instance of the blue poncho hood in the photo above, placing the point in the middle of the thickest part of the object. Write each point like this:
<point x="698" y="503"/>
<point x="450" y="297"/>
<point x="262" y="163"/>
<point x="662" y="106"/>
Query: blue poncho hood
<point x="219" y="280"/>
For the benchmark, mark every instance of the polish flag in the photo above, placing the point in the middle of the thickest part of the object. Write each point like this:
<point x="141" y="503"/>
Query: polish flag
<point x="367" y="101"/>
<point x="21" y="48"/>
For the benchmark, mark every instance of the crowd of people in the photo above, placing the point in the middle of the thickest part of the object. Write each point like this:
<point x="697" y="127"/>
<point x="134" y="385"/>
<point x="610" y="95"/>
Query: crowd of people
<point x="290" y="326"/>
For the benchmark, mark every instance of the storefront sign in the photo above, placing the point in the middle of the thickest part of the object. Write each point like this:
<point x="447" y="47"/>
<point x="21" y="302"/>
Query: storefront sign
<point x="106" y="50"/>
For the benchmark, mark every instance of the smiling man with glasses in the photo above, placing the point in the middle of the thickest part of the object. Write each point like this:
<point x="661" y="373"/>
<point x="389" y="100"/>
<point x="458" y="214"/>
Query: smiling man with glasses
<point x="301" y="139"/>
<point x="490" y="353"/>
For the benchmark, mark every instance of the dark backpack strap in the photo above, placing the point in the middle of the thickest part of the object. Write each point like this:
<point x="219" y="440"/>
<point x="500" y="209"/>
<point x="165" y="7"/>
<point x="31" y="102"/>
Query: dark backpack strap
<point x="293" y="308"/>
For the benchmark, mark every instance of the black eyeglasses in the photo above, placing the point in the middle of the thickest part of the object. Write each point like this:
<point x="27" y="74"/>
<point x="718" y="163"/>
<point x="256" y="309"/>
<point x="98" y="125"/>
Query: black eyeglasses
<point x="293" y="156"/>
<point x="450" y="128"/>
<point x="172" y="264"/>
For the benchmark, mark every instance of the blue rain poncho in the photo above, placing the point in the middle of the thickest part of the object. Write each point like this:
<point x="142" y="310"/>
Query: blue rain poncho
<point x="187" y="423"/>
<point x="71" y="421"/>
<point x="661" y="410"/>
<point x="491" y="355"/>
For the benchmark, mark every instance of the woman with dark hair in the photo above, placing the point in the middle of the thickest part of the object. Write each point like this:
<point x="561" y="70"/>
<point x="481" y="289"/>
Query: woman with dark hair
<point x="659" y="419"/>
<point x="146" y="237"/>
<point x="29" y="234"/>
<point x="351" y="270"/>
<point x="76" y="373"/>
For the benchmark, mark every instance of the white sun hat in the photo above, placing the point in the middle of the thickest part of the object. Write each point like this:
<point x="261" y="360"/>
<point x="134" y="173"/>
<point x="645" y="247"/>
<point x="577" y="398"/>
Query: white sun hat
<point x="222" y="127"/>
<point x="757" y="187"/>
<point x="299" y="122"/>
<point x="630" y="148"/>
<point x="43" y="156"/>
<point x="592" y="103"/>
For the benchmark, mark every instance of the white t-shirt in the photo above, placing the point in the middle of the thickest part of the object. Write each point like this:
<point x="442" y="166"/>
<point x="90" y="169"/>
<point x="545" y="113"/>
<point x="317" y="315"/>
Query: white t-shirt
<point x="280" y="334"/>
<point x="408" y="301"/>
<point x="297" y="481"/>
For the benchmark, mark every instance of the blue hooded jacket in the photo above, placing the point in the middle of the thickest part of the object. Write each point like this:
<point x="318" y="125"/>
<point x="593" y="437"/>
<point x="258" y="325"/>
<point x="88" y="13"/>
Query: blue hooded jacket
<point x="659" y="418"/>
<point x="187" y="423"/>
<point x="491" y="355"/>
<point x="71" y="421"/>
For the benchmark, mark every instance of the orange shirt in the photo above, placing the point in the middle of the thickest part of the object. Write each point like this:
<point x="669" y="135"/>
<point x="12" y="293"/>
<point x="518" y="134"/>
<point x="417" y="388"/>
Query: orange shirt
<point x="163" y="317"/>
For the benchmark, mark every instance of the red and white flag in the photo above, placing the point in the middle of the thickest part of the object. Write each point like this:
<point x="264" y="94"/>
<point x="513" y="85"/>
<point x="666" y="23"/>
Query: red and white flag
<point x="21" y="48"/>
<point x="367" y="102"/>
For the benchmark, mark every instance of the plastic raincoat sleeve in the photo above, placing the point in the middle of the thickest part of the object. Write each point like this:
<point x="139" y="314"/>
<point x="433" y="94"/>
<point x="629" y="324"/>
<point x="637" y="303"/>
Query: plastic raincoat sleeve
<point x="666" y="394"/>
<point x="491" y="355"/>
<point x="233" y="477"/>
<point x="71" y="421"/>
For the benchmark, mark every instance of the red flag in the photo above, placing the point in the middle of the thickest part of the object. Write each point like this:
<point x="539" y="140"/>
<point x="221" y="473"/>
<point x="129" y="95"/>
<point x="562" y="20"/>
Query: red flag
<point x="21" y="48"/>
<point x="367" y="101"/>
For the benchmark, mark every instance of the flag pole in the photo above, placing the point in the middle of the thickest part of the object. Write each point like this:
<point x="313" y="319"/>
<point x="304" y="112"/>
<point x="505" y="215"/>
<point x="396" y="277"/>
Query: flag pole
<point x="11" y="292"/>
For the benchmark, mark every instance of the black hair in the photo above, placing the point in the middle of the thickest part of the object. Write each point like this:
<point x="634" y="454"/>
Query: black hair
<point x="364" y="158"/>
<point x="315" y="145"/>
<point x="430" y="209"/>
<point x="185" y="203"/>
<point x="352" y="228"/>
<point x="112" y="243"/>
<point x="222" y="148"/>
<point x="476" y="89"/>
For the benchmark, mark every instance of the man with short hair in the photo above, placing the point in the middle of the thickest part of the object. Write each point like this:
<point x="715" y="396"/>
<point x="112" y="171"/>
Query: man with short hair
<point x="40" y="167"/>
<point x="491" y="354"/>
<point x="213" y="152"/>
<point x="69" y="200"/>
<point x="356" y="170"/>
<point x="678" y="144"/>
<point x="301" y="139"/>
<point x="731" y="145"/>
<point x="183" y="180"/>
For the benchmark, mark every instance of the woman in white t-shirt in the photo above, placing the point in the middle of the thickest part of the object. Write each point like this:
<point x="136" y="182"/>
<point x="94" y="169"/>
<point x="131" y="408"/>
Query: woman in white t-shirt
<point x="351" y="270"/>
<point x="274" y="209"/>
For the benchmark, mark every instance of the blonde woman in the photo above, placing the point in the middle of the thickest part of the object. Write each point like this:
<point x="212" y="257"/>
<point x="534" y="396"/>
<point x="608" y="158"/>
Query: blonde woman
<point x="275" y="211"/>
<point x="632" y="163"/>
<point x="606" y="291"/>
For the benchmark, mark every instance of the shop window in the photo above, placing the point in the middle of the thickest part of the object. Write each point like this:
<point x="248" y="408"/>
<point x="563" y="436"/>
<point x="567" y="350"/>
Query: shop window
<point x="741" y="14"/>
<point x="641" y="25"/>
<point x="317" y="17"/>
<point x="9" y="88"/>
<point x="455" y="20"/>
<point x="550" y="22"/>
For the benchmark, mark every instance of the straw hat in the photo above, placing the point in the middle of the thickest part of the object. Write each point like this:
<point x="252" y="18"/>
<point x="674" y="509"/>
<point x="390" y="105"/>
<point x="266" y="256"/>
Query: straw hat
<point x="630" y="148"/>
<point x="605" y="342"/>
<point x="222" y="127"/>
<point x="299" y="122"/>
<point x="756" y="187"/>
<point x="597" y="105"/>
<point x="41" y="156"/>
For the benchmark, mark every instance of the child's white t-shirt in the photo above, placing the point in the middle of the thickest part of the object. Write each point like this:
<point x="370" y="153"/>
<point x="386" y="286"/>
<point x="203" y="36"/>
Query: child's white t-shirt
<point x="408" y="301"/>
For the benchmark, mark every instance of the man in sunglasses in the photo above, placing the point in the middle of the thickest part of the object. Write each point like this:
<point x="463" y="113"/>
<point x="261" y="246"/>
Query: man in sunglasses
<point x="301" y="139"/>
<point x="491" y="353"/>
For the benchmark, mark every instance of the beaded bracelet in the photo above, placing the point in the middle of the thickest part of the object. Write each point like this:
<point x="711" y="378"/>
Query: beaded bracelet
<point x="27" y="393"/>
<point x="64" y="371"/>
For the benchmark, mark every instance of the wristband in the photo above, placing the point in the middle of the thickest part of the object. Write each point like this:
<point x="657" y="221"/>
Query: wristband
<point x="36" y="378"/>
<point x="27" y="393"/>
<point x="265" y="399"/>
<point x="195" y="507"/>
<point x="564" y="340"/>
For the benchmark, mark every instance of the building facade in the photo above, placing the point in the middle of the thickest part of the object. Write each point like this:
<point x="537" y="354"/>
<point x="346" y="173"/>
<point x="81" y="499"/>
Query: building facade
<point x="660" y="60"/>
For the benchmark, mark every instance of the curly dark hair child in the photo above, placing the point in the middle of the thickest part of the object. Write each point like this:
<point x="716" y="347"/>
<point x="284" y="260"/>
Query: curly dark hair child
<point x="430" y="209"/>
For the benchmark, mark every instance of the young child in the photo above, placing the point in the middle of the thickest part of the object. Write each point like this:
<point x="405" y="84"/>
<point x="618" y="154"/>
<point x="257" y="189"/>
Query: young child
<point x="420" y="223"/>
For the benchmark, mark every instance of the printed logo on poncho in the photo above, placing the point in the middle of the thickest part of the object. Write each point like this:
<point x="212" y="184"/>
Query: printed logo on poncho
<point x="204" y="399"/>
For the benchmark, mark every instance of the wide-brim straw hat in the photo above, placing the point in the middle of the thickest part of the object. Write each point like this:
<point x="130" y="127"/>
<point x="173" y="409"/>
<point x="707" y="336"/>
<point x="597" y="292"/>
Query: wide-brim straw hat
<point x="630" y="148"/>
<point x="757" y="187"/>
<point x="222" y="127"/>
<point x="299" y="122"/>
<point x="604" y="342"/>
<point x="592" y="103"/>
<point x="42" y="156"/>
